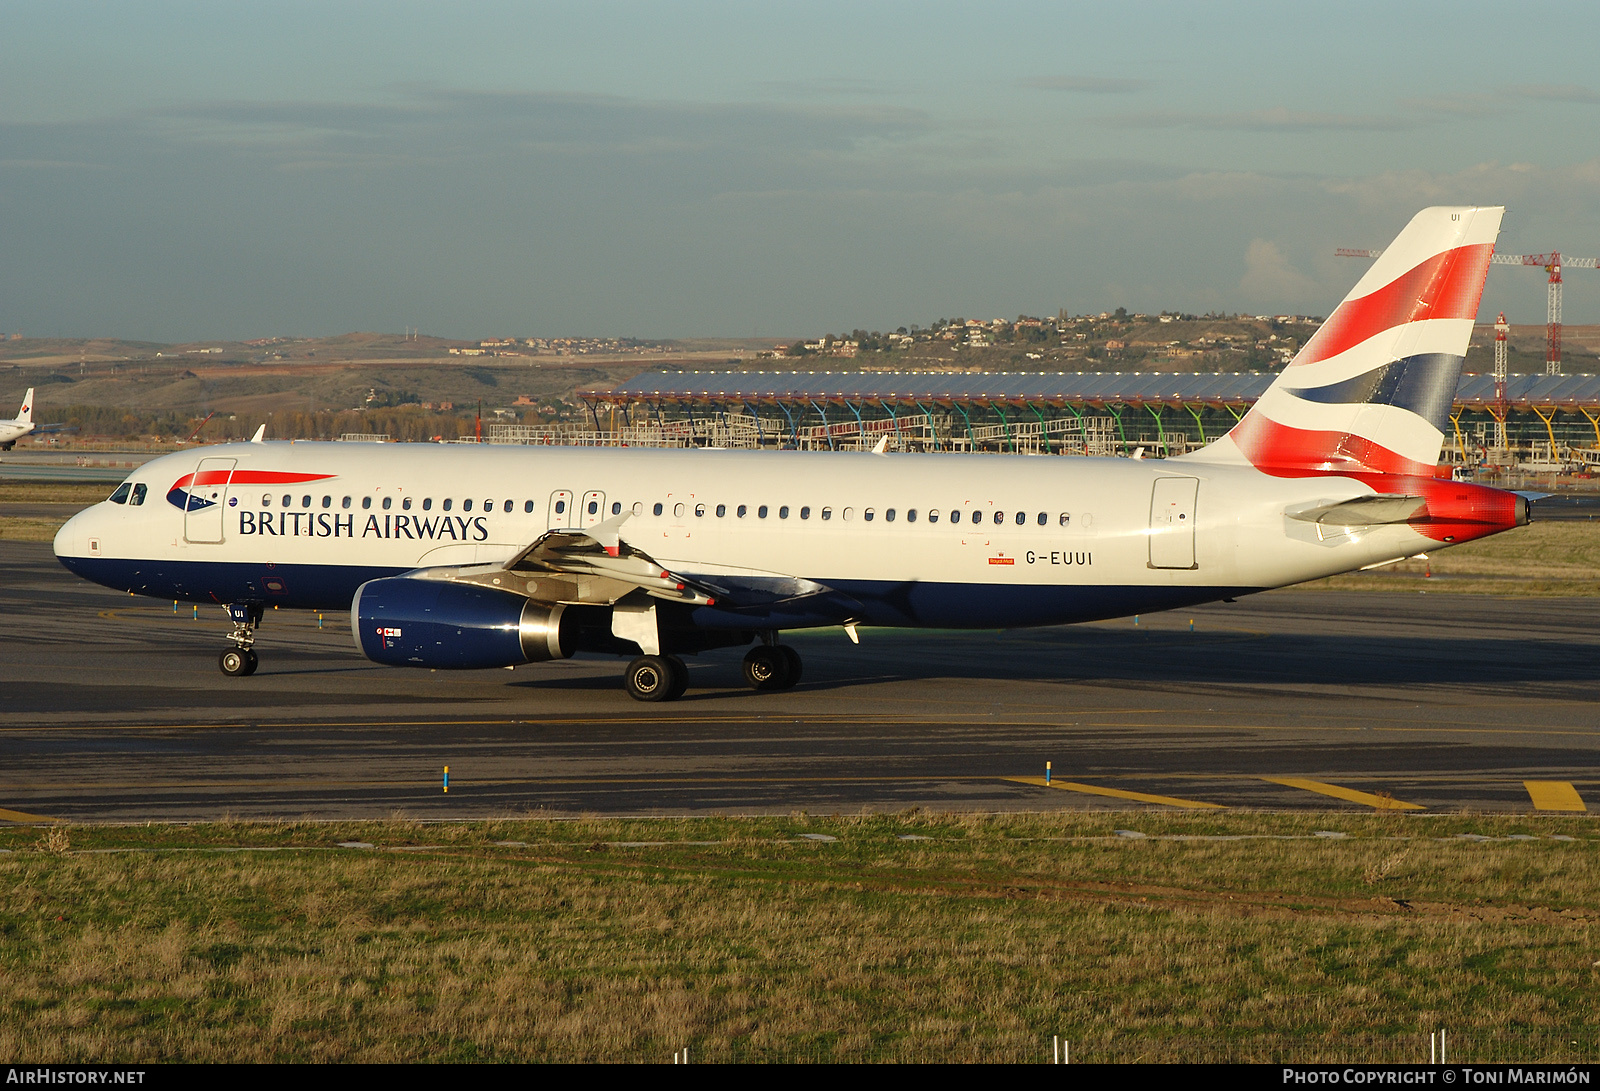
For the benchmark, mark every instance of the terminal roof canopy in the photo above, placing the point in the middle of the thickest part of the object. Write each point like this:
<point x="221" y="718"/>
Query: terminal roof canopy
<point x="1018" y="388"/>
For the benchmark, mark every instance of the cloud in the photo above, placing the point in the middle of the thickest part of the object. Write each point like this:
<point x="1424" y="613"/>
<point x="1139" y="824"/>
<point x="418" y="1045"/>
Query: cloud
<point x="1553" y="92"/>
<point x="1464" y="105"/>
<point x="1269" y="278"/>
<point x="1086" y="85"/>
<point x="1275" y="120"/>
<point x="431" y="123"/>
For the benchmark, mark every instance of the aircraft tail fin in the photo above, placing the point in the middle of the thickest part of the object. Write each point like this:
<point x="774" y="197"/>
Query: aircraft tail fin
<point x="1371" y="391"/>
<point x="26" y="416"/>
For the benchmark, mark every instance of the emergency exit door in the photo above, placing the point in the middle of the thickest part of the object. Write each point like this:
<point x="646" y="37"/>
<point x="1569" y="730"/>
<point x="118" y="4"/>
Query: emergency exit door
<point x="560" y="515"/>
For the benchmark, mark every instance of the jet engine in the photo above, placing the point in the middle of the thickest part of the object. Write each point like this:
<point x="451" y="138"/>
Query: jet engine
<point x="407" y="622"/>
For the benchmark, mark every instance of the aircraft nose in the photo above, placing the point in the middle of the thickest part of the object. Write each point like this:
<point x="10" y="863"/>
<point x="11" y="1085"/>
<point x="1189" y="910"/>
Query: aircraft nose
<point x="71" y="539"/>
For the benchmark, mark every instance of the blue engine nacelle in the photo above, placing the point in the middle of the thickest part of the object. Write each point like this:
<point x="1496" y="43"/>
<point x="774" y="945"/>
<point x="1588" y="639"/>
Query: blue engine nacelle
<point x="407" y="622"/>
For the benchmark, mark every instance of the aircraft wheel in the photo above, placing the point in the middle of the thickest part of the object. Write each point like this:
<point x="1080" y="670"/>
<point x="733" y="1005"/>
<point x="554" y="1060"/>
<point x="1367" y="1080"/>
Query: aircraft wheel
<point x="795" y="666"/>
<point x="767" y="668"/>
<point x="654" y="678"/>
<point x="236" y="662"/>
<point x="680" y="677"/>
<point x="251" y="662"/>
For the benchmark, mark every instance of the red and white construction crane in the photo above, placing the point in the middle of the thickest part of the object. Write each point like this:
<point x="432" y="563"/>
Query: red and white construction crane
<point x="1552" y="264"/>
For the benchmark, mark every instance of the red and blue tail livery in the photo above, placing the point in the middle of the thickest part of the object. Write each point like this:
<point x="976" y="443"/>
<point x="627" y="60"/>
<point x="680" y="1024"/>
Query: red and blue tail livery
<point x="1371" y="391"/>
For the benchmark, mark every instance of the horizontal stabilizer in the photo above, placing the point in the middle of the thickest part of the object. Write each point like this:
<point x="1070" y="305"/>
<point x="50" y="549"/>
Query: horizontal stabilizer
<point x="1363" y="511"/>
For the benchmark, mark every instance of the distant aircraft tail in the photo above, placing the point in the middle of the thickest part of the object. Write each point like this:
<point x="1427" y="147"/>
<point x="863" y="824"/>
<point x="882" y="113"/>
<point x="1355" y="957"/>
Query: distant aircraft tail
<point x="26" y="416"/>
<point x="1371" y="390"/>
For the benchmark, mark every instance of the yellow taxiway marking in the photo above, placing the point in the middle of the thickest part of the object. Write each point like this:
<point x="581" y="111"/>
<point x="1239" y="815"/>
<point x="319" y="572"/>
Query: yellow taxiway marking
<point x="22" y="816"/>
<point x="1381" y="802"/>
<point x="1114" y="793"/>
<point x="1554" y="795"/>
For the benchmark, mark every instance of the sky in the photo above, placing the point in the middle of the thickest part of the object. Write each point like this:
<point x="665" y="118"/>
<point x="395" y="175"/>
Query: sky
<point x="178" y="171"/>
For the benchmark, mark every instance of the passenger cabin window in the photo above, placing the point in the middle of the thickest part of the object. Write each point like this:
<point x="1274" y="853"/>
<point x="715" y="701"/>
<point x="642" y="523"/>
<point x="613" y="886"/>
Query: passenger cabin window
<point x="805" y="513"/>
<point x="287" y="500"/>
<point x="327" y="501"/>
<point x="722" y="509"/>
<point x="677" y="511"/>
<point x="933" y="515"/>
<point x="699" y="511"/>
<point x="1044" y="519"/>
<point x="405" y="504"/>
<point x="761" y="512"/>
<point x="427" y="503"/>
<point x="345" y="503"/>
<point x="266" y="501"/>
<point x="1066" y="518"/>
<point x="305" y="501"/>
<point x="658" y="509"/>
<point x="616" y="507"/>
<point x="594" y="506"/>
<point x="121" y="495"/>
<point x="366" y="502"/>
<point x="387" y="502"/>
<point x="955" y="516"/>
<point x="446" y="505"/>
<point x="783" y="512"/>
<point x="561" y="507"/>
<point x="911" y="515"/>
<point x="827" y="513"/>
<point x="848" y="514"/>
<point x="638" y="507"/>
<point x="868" y="513"/>
<point x="466" y="505"/>
<point x="741" y="512"/>
<point x="999" y="517"/>
<point x="1022" y="518"/>
<point x="527" y="506"/>
<point x="488" y="505"/>
<point x="888" y="515"/>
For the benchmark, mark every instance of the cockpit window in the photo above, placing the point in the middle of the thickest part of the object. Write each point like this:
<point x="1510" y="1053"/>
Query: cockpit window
<point x="121" y="495"/>
<point x="137" y="498"/>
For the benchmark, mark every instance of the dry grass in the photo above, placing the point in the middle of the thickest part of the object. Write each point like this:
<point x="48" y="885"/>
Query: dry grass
<point x="42" y="528"/>
<point x="50" y="492"/>
<point x="1545" y="559"/>
<point x="979" y="943"/>
<point x="30" y="529"/>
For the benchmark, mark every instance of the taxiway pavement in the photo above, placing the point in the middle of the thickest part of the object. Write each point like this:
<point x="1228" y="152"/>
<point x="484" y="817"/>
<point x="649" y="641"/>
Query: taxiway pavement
<point x="112" y="709"/>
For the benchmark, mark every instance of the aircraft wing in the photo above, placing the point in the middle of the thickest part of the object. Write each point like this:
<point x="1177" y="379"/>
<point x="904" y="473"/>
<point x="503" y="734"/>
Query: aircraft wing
<point x="597" y="557"/>
<point x="597" y="566"/>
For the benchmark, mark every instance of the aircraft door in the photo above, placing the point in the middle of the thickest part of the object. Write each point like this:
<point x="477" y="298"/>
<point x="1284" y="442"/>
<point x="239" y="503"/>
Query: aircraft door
<point x="207" y="500"/>
<point x="561" y="516"/>
<point x="1172" y="505"/>
<point x="592" y="510"/>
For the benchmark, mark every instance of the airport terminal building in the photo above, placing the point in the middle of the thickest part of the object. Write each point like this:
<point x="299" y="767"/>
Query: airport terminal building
<point x="1551" y="422"/>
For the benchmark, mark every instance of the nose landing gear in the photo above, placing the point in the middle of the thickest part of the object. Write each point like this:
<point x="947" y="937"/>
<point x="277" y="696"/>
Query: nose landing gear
<point x="240" y="660"/>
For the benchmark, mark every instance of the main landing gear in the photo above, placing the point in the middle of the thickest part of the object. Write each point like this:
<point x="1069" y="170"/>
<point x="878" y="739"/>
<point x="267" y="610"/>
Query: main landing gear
<point x="240" y="660"/>
<point x="772" y="667"/>
<point x="656" y="678"/>
<point x="768" y="667"/>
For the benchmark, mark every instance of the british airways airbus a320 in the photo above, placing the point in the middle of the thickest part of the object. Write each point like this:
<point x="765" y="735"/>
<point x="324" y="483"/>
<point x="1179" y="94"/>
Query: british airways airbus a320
<point x="474" y="557"/>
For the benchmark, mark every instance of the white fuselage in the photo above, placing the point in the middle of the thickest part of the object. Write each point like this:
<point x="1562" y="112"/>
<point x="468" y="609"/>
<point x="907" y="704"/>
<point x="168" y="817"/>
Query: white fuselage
<point x="915" y="539"/>
<point x="13" y="430"/>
